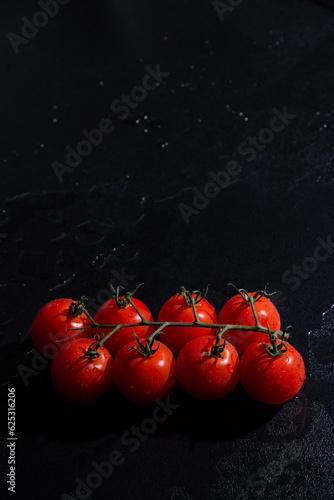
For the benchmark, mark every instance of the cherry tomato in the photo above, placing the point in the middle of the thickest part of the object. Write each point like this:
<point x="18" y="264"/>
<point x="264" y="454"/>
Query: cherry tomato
<point x="143" y="379"/>
<point x="80" y="378"/>
<point x="110" y="313"/>
<point x="177" y="309"/>
<point x="51" y="323"/>
<point x="271" y="379"/>
<point x="237" y="311"/>
<point x="207" y="376"/>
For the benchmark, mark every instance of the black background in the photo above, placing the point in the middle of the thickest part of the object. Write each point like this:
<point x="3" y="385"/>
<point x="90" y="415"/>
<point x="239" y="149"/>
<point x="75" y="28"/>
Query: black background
<point x="118" y="213"/>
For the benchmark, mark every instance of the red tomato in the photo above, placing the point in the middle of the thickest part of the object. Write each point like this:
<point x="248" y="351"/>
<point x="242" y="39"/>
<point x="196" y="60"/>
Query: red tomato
<point x="143" y="379"/>
<point x="177" y="309"/>
<point x="271" y="379"/>
<point x="237" y="311"/>
<point x="79" y="378"/>
<point x="207" y="376"/>
<point x="51" y="323"/>
<point x="112" y="314"/>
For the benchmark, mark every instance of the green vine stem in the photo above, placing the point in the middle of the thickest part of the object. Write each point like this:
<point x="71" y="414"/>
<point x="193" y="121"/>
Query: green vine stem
<point x="191" y="300"/>
<point x="274" y="348"/>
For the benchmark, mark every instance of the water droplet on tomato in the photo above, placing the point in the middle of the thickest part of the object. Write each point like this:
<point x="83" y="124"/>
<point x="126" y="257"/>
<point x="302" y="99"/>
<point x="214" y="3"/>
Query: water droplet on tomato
<point x="230" y="368"/>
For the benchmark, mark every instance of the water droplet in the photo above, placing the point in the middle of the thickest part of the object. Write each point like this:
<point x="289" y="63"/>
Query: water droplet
<point x="230" y="368"/>
<point x="101" y="83"/>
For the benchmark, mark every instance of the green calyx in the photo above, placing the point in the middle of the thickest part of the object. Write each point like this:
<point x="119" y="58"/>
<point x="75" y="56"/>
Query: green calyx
<point x="92" y="352"/>
<point x="145" y="349"/>
<point x="76" y="308"/>
<point x="126" y="299"/>
<point x="276" y="347"/>
<point x="252" y="298"/>
<point x="219" y="347"/>
<point x="193" y="297"/>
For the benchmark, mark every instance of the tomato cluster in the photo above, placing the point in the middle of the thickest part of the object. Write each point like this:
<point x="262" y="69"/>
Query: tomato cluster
<point x="204" y="359"/>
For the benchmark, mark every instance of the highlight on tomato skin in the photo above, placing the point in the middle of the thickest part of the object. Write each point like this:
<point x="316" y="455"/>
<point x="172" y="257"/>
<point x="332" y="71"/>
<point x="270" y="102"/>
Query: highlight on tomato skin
<point x="236" y="311"/>
<point x="112" y="313"/>
<point x="79" y="378"/>
<point x="271" y="379"/>
<point x="177" y="309"/>
<point x="51" y="326"/>
<point x="143" y="379"/>
<point x="204" y="376"/>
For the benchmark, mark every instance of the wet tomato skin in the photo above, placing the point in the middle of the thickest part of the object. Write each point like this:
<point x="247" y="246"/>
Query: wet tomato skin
<point x="237" y="311"/>
<point x="271" y="379"/>
<point x="204" y="376"/>
<point x="176" y="309"/>
<point x="79" y="378"/>
<point x="143" y="379"/>
<point x="110" y="313"/>
<point x="50" y="326"/>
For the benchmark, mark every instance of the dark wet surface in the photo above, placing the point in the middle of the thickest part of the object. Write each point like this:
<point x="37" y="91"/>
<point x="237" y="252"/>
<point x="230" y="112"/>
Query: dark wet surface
<point x="117" y="217"/>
